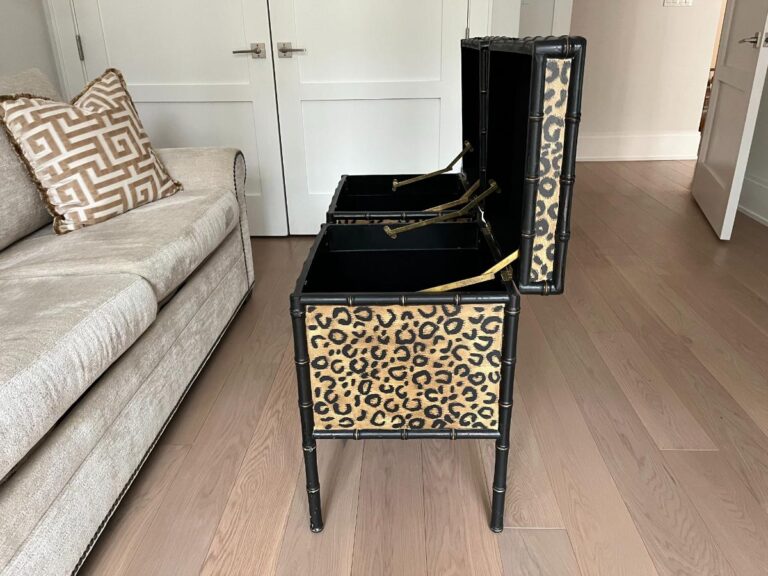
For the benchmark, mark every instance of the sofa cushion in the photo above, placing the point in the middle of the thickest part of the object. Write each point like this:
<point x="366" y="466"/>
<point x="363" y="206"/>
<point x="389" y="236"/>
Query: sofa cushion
<point x="52" y="534"/>
<point x="59" y="334"/>
<point x="22" y="210"/>
<point x="91" y="158"/>
<point x="163" y="242"/>
<point x="36" y="484"/>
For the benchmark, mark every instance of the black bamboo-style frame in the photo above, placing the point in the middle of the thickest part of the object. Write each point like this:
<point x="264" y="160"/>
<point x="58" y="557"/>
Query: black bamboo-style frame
<point x="299" y="300"/>
<point x="541" y="49"/>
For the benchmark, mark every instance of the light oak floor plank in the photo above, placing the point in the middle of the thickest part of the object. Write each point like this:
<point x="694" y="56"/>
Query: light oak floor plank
<point x="665" y="235"/>
<point x="528" y="552"/>
<point x="667" y="170"/>
<point x="178" y="539"/>
<point x="329" y="552"/>
<point x="733" y="515"/>
<point x="741" y="316"/>
<point x="391" y="531"/>
<point x="747" y="381"/>
<point x="530" y="501"/>
<point x="580" y="294"/>
<point x="457" y="509"/>
<point x="663" y="182"/>
<point x="249" y="535"/>
<point x="125" y="530"/>
<point x="613" y="230"/>
<point x="649" y="181"/>
<point x="275" y="259"/>
<point x="663" y="414"/>
<point x="674" y="533"/>
<point x="722" y="418"/>
<point x="605" y="539"/>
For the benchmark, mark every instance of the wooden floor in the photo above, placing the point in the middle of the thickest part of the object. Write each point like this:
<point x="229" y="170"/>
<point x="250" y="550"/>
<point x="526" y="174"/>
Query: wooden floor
<point x="640" y="425"/>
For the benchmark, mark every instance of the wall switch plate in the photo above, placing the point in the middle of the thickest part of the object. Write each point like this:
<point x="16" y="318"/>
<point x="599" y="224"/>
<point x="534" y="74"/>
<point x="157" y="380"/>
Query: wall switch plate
<point x="677" y="3"/>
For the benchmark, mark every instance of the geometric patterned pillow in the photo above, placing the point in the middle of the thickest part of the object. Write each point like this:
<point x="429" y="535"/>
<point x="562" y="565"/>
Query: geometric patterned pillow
<point x="91" y="159"/>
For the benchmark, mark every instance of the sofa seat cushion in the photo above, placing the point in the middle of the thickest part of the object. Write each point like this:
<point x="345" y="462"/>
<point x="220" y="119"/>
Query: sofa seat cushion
<point x="163" y="242"/>
<point x="59" y="334"/>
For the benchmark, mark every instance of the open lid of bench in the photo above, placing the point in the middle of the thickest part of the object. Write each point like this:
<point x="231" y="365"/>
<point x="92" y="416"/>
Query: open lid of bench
<point x="521" y="110"/>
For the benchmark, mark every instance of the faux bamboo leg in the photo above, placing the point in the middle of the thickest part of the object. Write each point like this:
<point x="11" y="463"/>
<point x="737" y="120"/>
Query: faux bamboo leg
<point x="508" y="358"/>
<point x="308" y="442"/>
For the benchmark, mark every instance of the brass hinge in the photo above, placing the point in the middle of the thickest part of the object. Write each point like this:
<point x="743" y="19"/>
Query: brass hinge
<point x="393" y="232"/>
<point x="399" y="184"/>
<point x="80" y="53"/>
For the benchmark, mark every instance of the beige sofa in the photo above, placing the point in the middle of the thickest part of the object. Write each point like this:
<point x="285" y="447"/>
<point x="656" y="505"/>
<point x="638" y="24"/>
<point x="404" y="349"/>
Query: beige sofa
<point x="102" y="332"/>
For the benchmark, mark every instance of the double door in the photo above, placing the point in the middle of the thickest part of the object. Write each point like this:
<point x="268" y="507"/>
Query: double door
<point x="308" y="90"/>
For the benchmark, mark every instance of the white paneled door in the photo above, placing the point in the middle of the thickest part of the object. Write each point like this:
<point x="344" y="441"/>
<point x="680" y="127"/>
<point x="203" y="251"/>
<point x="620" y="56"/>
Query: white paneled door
<point x="189" y="87"/>
<point x="742" y="62"/>
<point x="370" y="86"/>
<point x="375" y="89"/>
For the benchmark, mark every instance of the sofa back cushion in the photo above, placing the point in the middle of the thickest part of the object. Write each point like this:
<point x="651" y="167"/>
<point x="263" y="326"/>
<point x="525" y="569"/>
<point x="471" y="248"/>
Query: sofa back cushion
<point x="22" y="210"/>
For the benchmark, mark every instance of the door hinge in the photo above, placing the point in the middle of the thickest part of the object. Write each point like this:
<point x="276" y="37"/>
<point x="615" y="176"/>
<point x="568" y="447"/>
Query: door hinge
<point x="80" y="53"/>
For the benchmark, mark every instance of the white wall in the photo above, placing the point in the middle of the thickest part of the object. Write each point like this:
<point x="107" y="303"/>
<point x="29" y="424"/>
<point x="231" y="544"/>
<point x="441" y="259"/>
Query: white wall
<point x="754" y="193"/>
<point x="505" y="18"/>
<point x="24" y="39"/>
<point x="645" y="77"/>
<point x="545" y="17"/>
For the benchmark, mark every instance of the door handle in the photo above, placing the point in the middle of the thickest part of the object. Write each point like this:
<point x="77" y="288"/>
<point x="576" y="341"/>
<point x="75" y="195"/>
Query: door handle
<point x="754" y="40"/>
<point x="256" y="51"/>
<point x="285" y="50"/>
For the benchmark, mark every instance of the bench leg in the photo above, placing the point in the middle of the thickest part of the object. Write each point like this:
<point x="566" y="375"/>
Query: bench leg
<point x="308" y="443"/>
<point x="508" y="357"/>
<point x="313" y="487"/>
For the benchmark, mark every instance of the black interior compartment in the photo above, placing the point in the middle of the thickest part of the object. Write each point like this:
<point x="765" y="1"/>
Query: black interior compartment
<point x="363" y="258"/>
<point x="508" y="103"/>
<point x="373" y="193"/>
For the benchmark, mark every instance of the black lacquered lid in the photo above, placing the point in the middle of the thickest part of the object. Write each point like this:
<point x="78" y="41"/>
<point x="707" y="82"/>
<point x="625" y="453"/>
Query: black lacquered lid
<point x="502" y="100"/>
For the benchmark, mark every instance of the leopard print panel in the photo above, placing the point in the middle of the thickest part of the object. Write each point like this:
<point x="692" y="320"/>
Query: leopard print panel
<point x="413" y="367"/>
<point x="557" y="79"/>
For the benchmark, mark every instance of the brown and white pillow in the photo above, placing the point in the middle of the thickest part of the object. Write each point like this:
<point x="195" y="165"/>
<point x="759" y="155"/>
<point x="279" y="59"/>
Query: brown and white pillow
<point x="91" y="159"/>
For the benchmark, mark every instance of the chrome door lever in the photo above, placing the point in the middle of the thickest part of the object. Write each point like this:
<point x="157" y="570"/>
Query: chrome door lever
<point x="257" y="50"/>
<point x="285" y="50"/>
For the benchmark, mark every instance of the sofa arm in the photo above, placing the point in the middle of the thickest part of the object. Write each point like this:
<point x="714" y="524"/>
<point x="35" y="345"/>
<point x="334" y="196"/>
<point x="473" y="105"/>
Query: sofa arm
<point x="199" y="168"/>
<point x="205" y="167"/>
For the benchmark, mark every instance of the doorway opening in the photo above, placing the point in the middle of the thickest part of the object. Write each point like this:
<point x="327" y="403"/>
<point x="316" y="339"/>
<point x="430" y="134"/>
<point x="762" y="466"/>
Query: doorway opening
<point x="715" y="49"/>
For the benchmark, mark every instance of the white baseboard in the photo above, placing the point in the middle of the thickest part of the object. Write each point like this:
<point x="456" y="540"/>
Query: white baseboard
<point x="754" y="199"/>
<point x="659" y="146"/>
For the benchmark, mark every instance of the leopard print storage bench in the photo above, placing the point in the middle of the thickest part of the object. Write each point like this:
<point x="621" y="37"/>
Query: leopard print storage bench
<point x="405" y="325"/>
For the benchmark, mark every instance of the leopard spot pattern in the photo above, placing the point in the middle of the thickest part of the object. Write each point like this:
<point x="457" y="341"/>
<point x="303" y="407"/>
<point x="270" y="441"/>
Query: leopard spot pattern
<point x="405" y="367"/>
<point x="556" y="82"/>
